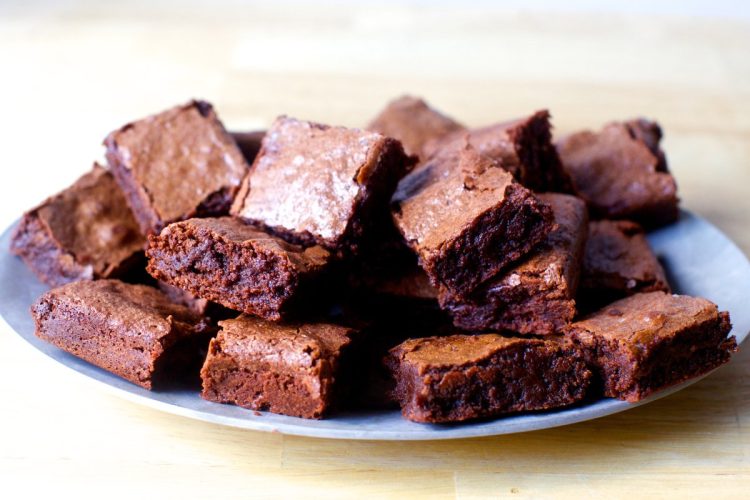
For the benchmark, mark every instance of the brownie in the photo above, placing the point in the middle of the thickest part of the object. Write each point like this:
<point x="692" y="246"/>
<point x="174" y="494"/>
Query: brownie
<point x="240" y="267"/>
<point x="618" y="261"/>
<point x="133" y="331"/>
<point x="649" y="341"/>
<point x="413" y="122"/>
<point x="522" y="146"/>
<point x="467" y="219"/>
<point x="175" y="165"/>
<point x="536" y="296"/>
<point x="315" y="184"/>
<point x="249" y="143"/>
<point x="84" y="232"/>
<point x="621" y="172"/>
<point x="462" y="377"/>
<point x="292" y="369"/>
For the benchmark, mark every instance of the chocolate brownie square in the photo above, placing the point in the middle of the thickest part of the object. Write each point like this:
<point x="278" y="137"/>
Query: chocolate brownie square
<point x="462" y="377"/>
<point x="240" y="267"/>
<point x="413" y="122"/>
<point x="621" y="172"/>
<point x="292" y="369"/>
<point x="133" y="331"/>
<point x="522" y="146"/>
<point x="618" y="261"/>
<point x="86" y="231"/>
<point x="175" y="165"/>
<point x="649" y="341"/>
<point x="315" y="184"/>
<point x="536" y="296"/>
<point x="467" y="219"/>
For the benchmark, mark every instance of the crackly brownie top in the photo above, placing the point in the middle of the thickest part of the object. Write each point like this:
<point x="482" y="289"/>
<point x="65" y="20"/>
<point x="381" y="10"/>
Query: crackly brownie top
<point x="237" y="232"/>
<point x="620" y="168"/>
<point x="309" y="179"/>
<point x="447" y="193"/>
<point x="644" y="318"/>
<point x="555" y="262"/>
<point x="454" y="350"/>
<point x="618" y="254"/>
<point x="92" y="221"/>
<point x="413" y="122"/>
<point x="180" y="157"/>
<point x="137" y="310"/>
<point x="250" y="340"/>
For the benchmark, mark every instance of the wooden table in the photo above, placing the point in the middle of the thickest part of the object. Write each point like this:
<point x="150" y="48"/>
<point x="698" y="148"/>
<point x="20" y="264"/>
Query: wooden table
<point x="72" y="71"/>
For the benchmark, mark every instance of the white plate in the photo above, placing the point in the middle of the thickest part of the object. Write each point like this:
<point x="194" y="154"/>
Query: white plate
<point x="698" y="258"/>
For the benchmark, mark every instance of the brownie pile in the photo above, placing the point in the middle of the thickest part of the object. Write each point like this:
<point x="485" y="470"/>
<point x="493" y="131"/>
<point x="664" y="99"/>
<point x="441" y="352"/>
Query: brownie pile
<point x="456" y="272"/>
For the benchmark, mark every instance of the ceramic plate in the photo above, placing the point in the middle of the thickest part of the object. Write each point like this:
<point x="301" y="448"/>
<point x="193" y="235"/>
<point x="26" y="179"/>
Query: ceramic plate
<point x="698" y="258"/>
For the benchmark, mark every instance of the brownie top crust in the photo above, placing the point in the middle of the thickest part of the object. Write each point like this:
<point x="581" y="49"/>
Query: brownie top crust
<point x="296" y="345"/>
<point x="438" y="199"/>
<point x="413" y="122"/>
<point x="311" y="182"/>
<point x="644" y="318"/>
<point x="91" y="221"/>
<point x="141" y="312"/>
<point x="464" y="350"/>
<point x="180" y="159"/>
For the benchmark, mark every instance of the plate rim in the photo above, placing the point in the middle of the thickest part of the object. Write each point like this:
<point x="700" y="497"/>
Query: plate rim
<point x="250" y="420"/>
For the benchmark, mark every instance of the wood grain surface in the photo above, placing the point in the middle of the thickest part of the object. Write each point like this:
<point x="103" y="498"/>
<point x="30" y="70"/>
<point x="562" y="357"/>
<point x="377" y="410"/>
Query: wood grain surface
<point x="73" y="70"/>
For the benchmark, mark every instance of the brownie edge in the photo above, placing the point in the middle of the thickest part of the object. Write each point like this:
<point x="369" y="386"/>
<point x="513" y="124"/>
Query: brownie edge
<point x="133" y="331"/>
<point x="463" y="377"/>
<point x="227" y="261"/>
<point x="291" y="369"/>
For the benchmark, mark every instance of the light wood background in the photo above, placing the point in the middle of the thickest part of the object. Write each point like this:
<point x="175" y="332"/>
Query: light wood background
<point x="71" y="71"/>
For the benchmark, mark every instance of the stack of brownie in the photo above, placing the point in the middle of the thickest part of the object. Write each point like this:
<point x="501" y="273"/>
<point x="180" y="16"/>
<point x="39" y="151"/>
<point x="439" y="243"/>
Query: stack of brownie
<point x="452" y="271"/>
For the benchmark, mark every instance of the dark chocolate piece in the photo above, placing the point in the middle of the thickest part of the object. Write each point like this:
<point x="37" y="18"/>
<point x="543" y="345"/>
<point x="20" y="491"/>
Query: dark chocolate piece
<point x="175" y="165"/>
<point x="462" y="377"/>
<point x="85" y="232"/>
<point x="227" y="261"/>
<point x="133" y="331"/>
<point x="649" y="341"/>
<point x="621" y="172"/>
<point x="467" y="219"/>
<point x="292" y="369"/>
<point x="315" y="184"/>
<point x="536" y="296"/>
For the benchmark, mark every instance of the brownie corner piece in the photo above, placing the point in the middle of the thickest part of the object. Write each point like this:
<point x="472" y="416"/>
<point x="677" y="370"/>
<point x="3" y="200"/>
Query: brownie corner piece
<point x="133" y="331"/>
<point x="537" y="295"/>
<point x="176" y="164"/>
<point x="290" y="369"/>
<point x="498" y="222"/>
<point x="621" y="172"/>
<point x="227" y="261"/>
<point x="318" y="184"/>
<point x="463" y="377"/>
<point x="650" y="341"/>
<point x="86" y="231"/>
